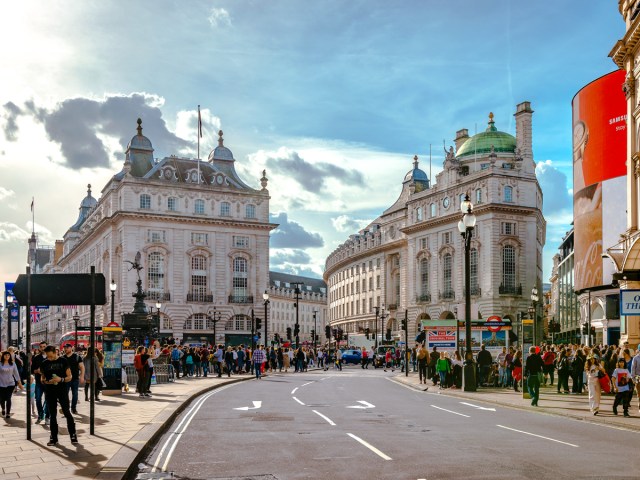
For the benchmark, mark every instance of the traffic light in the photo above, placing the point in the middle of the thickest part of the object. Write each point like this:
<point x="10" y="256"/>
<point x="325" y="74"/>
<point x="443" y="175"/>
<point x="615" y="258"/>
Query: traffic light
<point x="277" y="338"/>
<point x="296" y="330"/>
<point x="585" y="329"/>
<point x="404" y="324"/>
<point x="258" y="323"/>
<point x="335" y="333"/>
<point x="339" y="336"/>
<point x="327" y="331"/>
<point x="288" y="333"/>
<point x="313" y="335"/>
<point x="259" y="335"/>
<point x="388" y="334"/>
<point x="593" y="330"/>
<point x="367" y="332"/>
<point x="421" y="337"/>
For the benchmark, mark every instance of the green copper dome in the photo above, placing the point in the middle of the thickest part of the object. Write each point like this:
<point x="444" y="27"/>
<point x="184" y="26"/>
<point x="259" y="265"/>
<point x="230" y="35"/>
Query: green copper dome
<point x="481" y="143"/>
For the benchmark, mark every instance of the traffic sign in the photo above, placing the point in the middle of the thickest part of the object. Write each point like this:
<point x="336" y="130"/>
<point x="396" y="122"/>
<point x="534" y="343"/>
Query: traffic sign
<point x="498" y="323"/>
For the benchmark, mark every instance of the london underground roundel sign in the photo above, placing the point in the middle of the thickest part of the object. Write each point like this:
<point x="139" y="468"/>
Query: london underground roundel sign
<point x="494" y="318"/>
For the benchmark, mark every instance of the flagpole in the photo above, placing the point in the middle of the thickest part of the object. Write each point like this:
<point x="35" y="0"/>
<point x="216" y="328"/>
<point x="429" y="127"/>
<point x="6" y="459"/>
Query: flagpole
<point x="198" y="135"/>
<point x="33" y="215"/>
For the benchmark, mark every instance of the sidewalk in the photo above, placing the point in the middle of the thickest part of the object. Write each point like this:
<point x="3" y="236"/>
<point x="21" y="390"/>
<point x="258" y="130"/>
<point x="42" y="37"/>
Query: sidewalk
<point x="124" y="425"/>
<point x="551" y="402"/>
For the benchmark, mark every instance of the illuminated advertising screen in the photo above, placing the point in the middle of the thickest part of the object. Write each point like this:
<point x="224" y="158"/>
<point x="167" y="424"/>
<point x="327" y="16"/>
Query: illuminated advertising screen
<point x="599" y="176"/>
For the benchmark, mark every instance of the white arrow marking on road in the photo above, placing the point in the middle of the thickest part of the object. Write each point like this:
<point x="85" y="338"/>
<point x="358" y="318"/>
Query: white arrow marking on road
<point x="256" y="404"/>
<point x="364" y="405"/>
<point x="479" y="407"/>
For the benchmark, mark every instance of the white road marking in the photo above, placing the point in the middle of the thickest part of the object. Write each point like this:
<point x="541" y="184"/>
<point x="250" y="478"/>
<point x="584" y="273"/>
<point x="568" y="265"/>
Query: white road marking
<point x="182" y="426"/>
<point x="364" y="405"/>
<point x="324" y="378"/>
<point x="298" y="401"/>
<point x="256" y="404"/>
<point x="305" y="384"/>
<point x="451" y="411"/>
<point x="370" y="447"/>
<point x="294" y="390"/>
<point x="325" y="417"/>
<point x="539" y="436"/>
<point x="479" y="407"/>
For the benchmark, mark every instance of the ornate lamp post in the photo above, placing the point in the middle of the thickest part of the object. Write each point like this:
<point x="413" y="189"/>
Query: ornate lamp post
<point x="466" y="226"/>
<point x="113" y="287"/>
<point x="376" y="328"/>
<point x="265" y="297"/>
<point x="534" y="304"/>
<point x="315" y="329"/>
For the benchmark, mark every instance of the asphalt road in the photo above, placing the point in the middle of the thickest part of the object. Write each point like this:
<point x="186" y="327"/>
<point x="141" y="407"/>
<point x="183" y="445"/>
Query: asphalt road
<point x="361" y="425"/>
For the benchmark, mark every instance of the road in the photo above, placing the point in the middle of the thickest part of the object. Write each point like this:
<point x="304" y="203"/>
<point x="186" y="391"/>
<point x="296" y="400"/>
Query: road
<point x="361" y="424"/>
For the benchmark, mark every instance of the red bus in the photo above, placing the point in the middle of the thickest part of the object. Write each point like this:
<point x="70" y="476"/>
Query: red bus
<point x="83" y="339"/>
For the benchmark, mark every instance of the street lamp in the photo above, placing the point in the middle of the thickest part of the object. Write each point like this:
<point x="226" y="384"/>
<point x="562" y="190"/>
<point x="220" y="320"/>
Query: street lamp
<point x="534" y="303"/>
<point x="76" y="318"/>
<point x="376" y="329"/>
<point x="113" y="287"/>
<point x="455" y="313"/>
<point x="215" y="318"/>
<point x="315" y="329"/>
<point x="296" y="329"/>
<point x="466" y="226"/>
<point x="265" y="297"/>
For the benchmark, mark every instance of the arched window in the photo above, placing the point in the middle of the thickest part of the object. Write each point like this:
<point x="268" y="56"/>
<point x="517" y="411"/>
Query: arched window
<point x="199" y="278"/>
<point x="419" y="214"/>
<point x="240" y="279"/>
<point x="198" y="321"/>
<point x="509" y="268"/>
<point x="166" y="323"/>
<point x="424" y="279"/>
<point x="479" y="195"/>
<point x="225" y="209"/>
<point x="145" y="201"/>
<point x="251" y="211"/>
<point x="473" y="270"/>
<point x="508" y="194"/>
<point x="155" y="275"/>
<point x="447" y="264"/>
<point x="198" y="206"/>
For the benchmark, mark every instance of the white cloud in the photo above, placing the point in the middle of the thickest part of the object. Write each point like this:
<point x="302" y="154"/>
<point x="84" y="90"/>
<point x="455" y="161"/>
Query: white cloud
<point x="344" y="223"/>
<point x="10" y="232"/>
<point x="5" y="193"/>
<point x="187" y="127"/>
<point x="219" y="17"/>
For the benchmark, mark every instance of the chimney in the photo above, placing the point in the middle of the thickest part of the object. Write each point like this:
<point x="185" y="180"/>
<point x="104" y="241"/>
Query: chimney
<point x="523" y="129"/>
<point x="461" y="137"/>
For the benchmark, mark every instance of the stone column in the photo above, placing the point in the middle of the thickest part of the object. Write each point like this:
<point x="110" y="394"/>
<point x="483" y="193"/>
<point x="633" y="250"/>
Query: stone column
<point x="630" y="325"/>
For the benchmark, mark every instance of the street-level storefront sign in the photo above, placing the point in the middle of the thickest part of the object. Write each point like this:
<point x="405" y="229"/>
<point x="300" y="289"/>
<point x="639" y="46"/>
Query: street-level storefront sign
<point x="629" y="302"/>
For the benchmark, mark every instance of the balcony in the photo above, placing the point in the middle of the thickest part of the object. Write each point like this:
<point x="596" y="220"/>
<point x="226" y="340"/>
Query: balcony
<point x="426" y="298"/>
<point x="447" y="295"/>
<point x="240" y="298"/>
<point x="392" y="306"/>
<point x="476" y="291"/>
<point x="510" y="290"/>
<point x="158" y="296"/>
<point x="199" y="297"/>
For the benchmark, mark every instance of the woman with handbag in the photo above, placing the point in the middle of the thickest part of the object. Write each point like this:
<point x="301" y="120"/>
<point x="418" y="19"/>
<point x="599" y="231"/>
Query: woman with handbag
<point x="595" y="372"/>
<point x="516" y="373"/>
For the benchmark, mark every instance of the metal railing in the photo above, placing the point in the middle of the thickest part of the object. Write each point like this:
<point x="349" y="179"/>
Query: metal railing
<point x="476" y="291"/>
<point x="160" y="296"/>
<point x="240" y="298"/>
<point x="426" y="298"/>
<point x="447" y="295"/>
<point x="163" y="373"/>
<point x="510" y="289"/>
<point x="199" y="297"/>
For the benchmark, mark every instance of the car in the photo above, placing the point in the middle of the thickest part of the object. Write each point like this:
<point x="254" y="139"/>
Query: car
<point x="380" y="354"/>
<point x="351" y="356"/>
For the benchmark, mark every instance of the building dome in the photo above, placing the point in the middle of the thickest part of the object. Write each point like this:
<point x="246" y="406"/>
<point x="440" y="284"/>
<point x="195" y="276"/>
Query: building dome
<point x="221" y="152"/>
<point x="417" y="176"/>
<point x="483" y="142"/>
<point x="86" y="206"/>
<point x="139" y="141"/>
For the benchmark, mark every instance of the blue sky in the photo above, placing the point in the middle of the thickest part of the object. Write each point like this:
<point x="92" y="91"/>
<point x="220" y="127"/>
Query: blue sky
<point x="332" y="97"/>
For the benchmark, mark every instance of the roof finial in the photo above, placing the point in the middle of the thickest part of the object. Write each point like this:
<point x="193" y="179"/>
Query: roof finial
<point x="492" y="124"/>
<point x="139" y="126"/>
<point x="220" y="139"/>
<point x="415" y="162"/>
<point x="89" y="190"/>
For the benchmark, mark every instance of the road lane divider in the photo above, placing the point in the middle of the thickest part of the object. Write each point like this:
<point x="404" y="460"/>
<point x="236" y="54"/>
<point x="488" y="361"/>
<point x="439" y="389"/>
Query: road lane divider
<point x="294" y="390"/>
<point x="329" y="421"/>
<point x="539" y="436"/>
<point x="256" y="404"/>
<point x="363" y="405"/>
<point x="451" y="411"/>
<point x="305" y="384"/>
<point x="301" y="403"/>
<point x="370" y="447"/>
<point x="479" y="407"/>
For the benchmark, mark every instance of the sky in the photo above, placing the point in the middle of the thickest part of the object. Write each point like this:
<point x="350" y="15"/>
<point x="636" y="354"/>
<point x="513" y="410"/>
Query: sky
<point x="333" y="98"/>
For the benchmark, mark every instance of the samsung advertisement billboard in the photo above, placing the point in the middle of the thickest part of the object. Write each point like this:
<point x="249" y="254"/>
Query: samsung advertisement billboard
<point x="599" y="176"/>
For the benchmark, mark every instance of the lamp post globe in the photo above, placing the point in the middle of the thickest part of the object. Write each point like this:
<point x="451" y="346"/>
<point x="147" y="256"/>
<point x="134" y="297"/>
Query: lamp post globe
<point x="466" y="226"/>
<point x="112" y="287"/>
<point x="265" y="297"/>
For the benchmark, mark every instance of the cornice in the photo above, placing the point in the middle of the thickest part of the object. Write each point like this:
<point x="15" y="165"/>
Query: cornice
<point x="627" y="44"/>
<point x="402" y="242"/>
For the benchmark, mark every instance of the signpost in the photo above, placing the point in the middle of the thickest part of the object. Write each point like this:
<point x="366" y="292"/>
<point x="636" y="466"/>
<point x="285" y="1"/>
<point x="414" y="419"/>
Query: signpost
<point x="112" y="345"/>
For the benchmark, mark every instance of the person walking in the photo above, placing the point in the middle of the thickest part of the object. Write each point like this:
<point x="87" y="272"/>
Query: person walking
<point x="549" y="359"/>
<point x="533" y="371"/>
<point x="228" y="360"/>
<point x="90" y="361"/>
<point x="140" y="362"/>
<point x="9" y="378"/>
<point x="388" y="360"/>
<point x="365" y="359"/>
<point x="516" y="372"/>
<point x="621" y="379"/>
<point x="485" y="360"/>
<point x="55" y="373"/>
<point x="77" y="373"/>
<point x="564" y="369"/>
<point x="258" y="359"/>
<point x="442" y="369"/>
<point x="594" y="370"/>
<point x="36" y="361"/>
<point x="456" y="369"/>
<point x="423" y="357"/>
<point x="176" y="355"/>
<point x="635" y="374"/>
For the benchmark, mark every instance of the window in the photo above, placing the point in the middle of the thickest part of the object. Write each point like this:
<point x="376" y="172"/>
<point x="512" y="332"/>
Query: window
<point x="225" y="209"/>
<point x="166" y="323"/>
<point x="508" y="194"/>
<point x="508" y="267"/>
<point x="240" y="242"/>
<point x="155" y="272"/>
<point x="508" y="228"/>
<point x="370" y="283"/>
<point x="433" y="209"/>
<point x="145" y="201"/>
<point x="419" y="214"/>
<point x="364" y="305"/>
<point x="198" y="321"/>
<point x="424" y="277"/>
<point x="371" y="304"/>
<point x="378" y="262"/>
<point x="473" y="269"/>
<point x="378" y="281"/>
<point x="364" y="284"/>
<point x="239" y="322"/>
<point x="479" y="195"/>
<point x="199" y="206"/>
<point x="461" y="198"/>
<point x="251" y="211"/>
<point x="371" y="264"/>
<point x="172" y="203"/>
<point x="446" y="238"/>
<point x="484" y="166"/>
<point x="424" y="243"/>
<point x="156" y="236"/>
<point x="198" y="277"/>
<point x="240" y="275"/>
<point x="447" y="263"/>
<point x="199" y="238"/>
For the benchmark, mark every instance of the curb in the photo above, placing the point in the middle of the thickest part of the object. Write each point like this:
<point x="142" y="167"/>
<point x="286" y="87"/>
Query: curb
<point x="597" y="420"/>
<point x="123" y="464"/>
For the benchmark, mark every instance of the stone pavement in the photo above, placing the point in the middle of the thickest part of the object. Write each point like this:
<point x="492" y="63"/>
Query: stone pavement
<point x="124" y="425"/>
<point x="550" y="402"/>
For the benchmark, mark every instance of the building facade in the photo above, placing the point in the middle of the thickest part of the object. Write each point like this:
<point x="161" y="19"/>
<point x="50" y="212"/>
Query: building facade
<point x="202" y="234"/>
<point x="412" y="256"/>
<point x="565" y="309"/>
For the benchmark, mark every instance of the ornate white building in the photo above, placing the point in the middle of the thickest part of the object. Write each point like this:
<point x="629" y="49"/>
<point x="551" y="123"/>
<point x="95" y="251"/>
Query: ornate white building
<point x="412" y="256"/>
<point x="203" y="235"/>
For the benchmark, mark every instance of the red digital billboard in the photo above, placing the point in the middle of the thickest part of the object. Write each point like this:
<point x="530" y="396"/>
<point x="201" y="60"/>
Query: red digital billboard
<point x="599" y="172"/>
